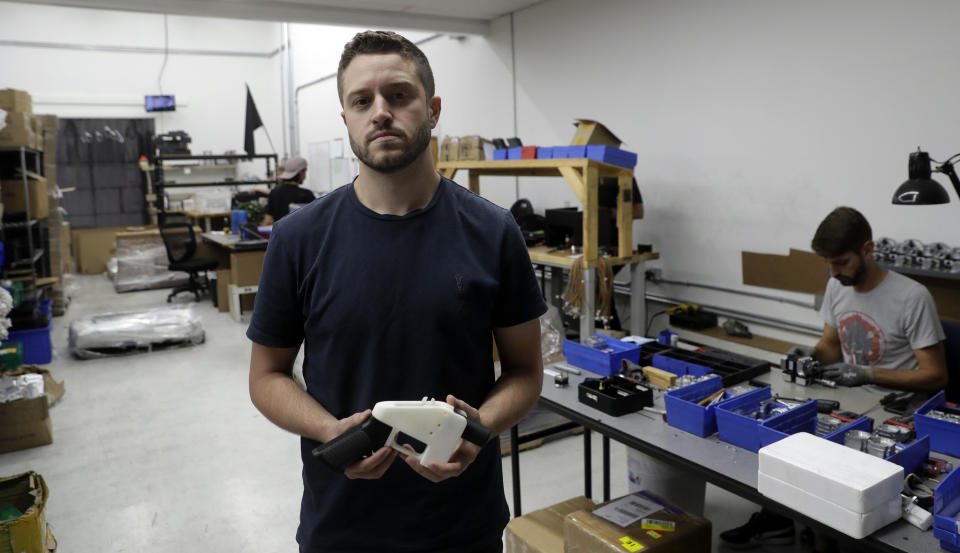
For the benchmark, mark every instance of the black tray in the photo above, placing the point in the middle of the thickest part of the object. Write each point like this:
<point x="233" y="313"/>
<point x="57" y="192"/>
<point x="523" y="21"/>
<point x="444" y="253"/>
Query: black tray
<point x="733" y="368"/>
<point x="615" y="395"/>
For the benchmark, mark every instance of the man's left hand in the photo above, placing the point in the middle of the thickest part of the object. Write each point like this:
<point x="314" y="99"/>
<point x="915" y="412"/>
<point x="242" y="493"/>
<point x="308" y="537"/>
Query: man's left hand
<point x="462" y="457"/>
<point x="846" y="374"/>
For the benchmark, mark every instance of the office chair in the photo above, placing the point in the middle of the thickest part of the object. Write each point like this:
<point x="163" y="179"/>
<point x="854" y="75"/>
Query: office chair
<point x="951" y="347"/>
<point x="181" y="245"/>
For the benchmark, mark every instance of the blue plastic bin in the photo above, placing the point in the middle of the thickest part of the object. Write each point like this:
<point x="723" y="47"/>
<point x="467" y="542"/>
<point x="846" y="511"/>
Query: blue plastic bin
<point x="600" y="362"/>
<point x="946" y="509"/>
<point x="37" y="349"/>
<point x="611" y="155"/>
<point x="675" y="363"/>
<point x="837" y="436"/>
<point x="944" y="435"/>
<point x="575" y="152"/>
<point x="802" y="418"/>
<point x="910" y="458"/>
<point x="500" y="154"/>
<point x="545" y="153"/>
<point x="515" y="153"/>
<point x="684" y="413"/>
<point x="745" y="432"/>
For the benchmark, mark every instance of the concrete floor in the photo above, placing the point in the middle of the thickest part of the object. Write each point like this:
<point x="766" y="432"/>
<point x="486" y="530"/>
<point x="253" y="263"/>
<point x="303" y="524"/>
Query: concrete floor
<point x="163" y="452"/>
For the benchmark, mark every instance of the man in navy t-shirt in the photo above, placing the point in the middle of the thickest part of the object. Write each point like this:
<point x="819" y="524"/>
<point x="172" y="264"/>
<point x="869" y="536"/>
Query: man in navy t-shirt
<point x="397" y="285"/>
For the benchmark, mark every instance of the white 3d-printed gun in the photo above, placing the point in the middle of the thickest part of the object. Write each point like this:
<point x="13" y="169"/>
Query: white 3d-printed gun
<point x="435" y="423"/>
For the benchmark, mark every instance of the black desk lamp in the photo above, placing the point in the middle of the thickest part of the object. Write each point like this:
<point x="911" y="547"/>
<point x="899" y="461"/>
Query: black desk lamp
<point x="920" y="188"/>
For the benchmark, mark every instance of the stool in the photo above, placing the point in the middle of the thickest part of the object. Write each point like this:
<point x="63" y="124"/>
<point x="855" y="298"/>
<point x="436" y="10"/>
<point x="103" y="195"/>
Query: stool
<point x="234" y="292"/>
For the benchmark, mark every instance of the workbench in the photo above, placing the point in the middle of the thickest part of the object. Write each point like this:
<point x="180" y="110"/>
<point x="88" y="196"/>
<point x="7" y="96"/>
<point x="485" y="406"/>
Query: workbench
<point x="239" y="264"/>
<point x="582" y="175"/>
<point x="725" y="465"/>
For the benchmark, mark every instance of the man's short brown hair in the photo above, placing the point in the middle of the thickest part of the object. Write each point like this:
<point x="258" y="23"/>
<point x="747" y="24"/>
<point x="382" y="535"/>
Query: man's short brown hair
<point x="385" y="42"/>
<point x="844" y="230"/>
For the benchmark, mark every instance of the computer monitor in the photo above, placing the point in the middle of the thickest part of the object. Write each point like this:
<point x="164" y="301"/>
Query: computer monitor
<point x="160" y="102"/>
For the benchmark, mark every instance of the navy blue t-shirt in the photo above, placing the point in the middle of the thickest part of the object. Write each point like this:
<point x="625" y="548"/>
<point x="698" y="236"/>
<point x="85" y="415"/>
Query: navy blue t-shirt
<point x="396" y="308"/>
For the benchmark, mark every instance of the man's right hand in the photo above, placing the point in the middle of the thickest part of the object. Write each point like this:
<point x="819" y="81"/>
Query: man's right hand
<point x="369" y="468"/>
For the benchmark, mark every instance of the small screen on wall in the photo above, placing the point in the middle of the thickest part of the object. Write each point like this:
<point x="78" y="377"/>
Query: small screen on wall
<point x="162" y="102"/>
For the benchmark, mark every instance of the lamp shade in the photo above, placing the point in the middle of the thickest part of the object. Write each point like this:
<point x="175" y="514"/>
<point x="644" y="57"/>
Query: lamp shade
<point x="920" y="188"/>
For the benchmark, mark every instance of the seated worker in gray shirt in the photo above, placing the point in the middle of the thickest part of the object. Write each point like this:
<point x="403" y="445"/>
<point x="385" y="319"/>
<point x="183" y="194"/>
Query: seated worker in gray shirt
<point x="880" y="327"/>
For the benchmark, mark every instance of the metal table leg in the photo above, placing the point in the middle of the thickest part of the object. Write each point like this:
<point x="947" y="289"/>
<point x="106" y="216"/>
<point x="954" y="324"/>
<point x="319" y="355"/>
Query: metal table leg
<point x="606" y="468"/>
<point x="515" y="467"/>
<point x="587" y="468"/>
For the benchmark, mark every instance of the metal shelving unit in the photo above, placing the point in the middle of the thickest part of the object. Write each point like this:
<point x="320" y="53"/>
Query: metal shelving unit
<point x="24" y="154"/>
<point x="170" y="161"/>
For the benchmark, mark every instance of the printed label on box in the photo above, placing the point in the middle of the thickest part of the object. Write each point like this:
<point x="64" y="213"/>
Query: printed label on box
<point x="662" y="525"/>
<point x="629" y="544"/>
<point x="627" y="510"/>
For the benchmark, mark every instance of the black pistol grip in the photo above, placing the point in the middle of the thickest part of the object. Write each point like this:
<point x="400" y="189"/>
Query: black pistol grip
<point x="476" y="433"/>
<point x="353" y="445"/>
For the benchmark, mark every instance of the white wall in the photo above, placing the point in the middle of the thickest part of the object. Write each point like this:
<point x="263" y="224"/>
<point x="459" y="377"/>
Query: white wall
<point x="752" y="120"/>
<point x="78" y="82"/>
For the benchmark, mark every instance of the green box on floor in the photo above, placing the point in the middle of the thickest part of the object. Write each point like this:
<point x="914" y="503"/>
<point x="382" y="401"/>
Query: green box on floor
<point x="11" y="356"/>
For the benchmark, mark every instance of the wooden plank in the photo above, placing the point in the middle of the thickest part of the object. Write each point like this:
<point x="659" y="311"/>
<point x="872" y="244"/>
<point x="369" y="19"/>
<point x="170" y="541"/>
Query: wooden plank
<point x="532" y="167"/>
<point x="625" y="215"/>
<point x="47" y="281"/>
<point x="475" y="182"/>
<point x="576" y="183"/>
<point x="546" y="255"/>
<point x="448" y="172"/>
<point x="759" y="342"/>
<point x="590" y="226"/>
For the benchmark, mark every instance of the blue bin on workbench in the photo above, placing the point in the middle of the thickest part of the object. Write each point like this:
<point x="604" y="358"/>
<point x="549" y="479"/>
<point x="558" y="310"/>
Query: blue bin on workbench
<point x="598" y="361"/>
<point x="944" y="435"/>
<point x="684" y="413"/>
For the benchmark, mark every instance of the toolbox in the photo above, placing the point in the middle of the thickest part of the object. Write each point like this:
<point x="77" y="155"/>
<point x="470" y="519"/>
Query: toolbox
<point x="733" y="368"/>
<point x="604" y="357"/>
<point x="946" y="510"/>
<point x="615" y="395"/>
<point x="944" y="435"/>
<point x="684" y="413"/>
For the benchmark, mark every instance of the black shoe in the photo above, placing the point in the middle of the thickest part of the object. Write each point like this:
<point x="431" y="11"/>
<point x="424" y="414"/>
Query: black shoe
<point x="762" y="528"/>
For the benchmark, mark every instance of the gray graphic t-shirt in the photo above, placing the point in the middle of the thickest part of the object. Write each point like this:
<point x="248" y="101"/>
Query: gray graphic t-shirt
<point x="882" y="327"/>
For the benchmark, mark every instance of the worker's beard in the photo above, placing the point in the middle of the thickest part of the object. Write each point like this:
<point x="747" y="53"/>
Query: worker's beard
<point x="858" y="275"/>
<point x="392" y="161"/>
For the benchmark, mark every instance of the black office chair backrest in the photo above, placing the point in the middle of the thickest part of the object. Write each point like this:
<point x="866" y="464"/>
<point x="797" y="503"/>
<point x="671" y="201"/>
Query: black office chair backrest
<point x="179" y="240"/>
<point x="951" y="346"/>
<point x="169" y="218"/>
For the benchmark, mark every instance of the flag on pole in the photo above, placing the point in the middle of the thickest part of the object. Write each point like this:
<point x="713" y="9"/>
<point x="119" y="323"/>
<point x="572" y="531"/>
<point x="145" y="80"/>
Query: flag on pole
<point x="253" y="122"/>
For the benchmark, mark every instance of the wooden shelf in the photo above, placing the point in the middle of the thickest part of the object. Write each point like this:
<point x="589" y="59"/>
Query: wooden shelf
<point x="531" y="167"/>
<point x="545" y="255"/>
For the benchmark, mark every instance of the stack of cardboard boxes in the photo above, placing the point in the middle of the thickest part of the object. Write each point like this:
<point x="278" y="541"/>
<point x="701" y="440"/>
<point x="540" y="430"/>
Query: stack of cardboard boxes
<point x="37" y="132"/>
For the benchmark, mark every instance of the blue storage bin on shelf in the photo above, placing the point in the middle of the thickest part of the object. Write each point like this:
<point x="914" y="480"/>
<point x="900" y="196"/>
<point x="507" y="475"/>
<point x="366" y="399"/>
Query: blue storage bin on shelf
<point x="946" y="509"/>
<point x="944" y="435"/>
<point x="545" y="153"/>
<point x="611" y="155"/>
<point x="514" y="153"/>
<point x="742" y="431"/>
<point x="600" y="362"/>
<point x="802" y="418"/>
<point x="500" y="154"/>
<point x="575" y="152"/>
<point x="37" y="348"/>
<point x="684" y="413"/>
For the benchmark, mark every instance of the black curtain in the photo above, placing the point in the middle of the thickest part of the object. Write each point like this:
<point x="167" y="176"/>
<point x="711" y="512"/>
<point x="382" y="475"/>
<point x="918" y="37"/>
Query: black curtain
<point x="100" y="158"/>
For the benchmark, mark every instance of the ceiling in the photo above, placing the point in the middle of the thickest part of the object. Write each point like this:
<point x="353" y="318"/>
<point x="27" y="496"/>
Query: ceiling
<point x="451" y="16"/>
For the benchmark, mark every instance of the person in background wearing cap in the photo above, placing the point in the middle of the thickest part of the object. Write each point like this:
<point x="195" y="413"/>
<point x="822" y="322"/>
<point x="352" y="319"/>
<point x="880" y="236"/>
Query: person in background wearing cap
<point x="288" y="191"/>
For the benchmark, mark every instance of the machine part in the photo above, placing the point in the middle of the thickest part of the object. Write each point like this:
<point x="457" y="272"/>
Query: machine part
<point x="435" y="423"/>
<point x="915" y="514"/>
<point x="735" y="328"/>
<point x="561" y="380"/>
<point x="856" y="439"/>
<point x="934" y="467"/>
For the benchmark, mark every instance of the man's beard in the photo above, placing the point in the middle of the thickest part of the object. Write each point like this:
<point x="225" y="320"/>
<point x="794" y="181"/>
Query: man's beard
<point x="857" y="277"/>
<point x="392" y="161"/>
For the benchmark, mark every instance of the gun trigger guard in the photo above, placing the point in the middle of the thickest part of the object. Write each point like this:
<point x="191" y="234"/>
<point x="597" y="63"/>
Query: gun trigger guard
<point x="392" y="443"/>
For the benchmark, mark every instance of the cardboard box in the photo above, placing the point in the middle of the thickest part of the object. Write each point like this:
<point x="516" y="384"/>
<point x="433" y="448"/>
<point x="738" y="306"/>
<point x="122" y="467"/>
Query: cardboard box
<point x="245" y="267"/>
<point x="450" y="149"/>
<point x="664" y="530"/>
<point x="798" y="272"/>
<point x="25" y="423"/>
<point x="19" y="131"/>
<point x="475" y="148"/>
<point x="591" y="132"/>
<point x="28" y="532"/>
<point x="223" y="281"/>
<point x="14" y="200"/>
<point x="542" y="531"/>
<point x="93" y="247"/>
<point x="15" y="100"/>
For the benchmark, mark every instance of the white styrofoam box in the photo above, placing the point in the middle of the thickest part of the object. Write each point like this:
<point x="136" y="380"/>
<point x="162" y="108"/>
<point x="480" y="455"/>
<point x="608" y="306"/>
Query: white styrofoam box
<point x="852" y="479"/>
<point x="852" y="523"/>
